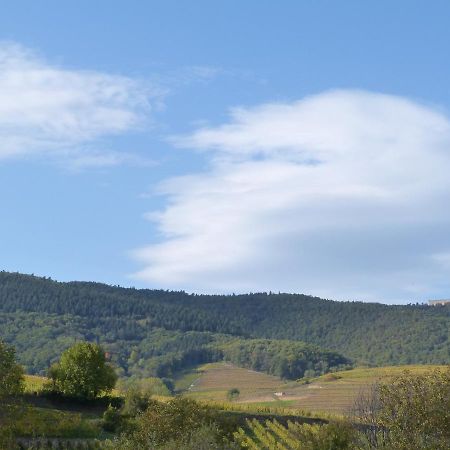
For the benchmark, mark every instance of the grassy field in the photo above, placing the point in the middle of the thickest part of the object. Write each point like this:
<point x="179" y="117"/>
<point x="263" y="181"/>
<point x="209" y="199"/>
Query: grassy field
<point x="34" y="384"/>
<point x="330" y="394"/>
<point x="213" y="381"/>
<point x="41" y="416"/>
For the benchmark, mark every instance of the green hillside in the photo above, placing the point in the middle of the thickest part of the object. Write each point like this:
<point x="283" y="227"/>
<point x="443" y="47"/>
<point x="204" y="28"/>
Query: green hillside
<point x="155" y="332"/>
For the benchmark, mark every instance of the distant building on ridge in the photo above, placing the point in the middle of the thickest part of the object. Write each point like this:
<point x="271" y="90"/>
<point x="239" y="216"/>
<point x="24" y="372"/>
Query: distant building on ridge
<point x="438" y="302"/>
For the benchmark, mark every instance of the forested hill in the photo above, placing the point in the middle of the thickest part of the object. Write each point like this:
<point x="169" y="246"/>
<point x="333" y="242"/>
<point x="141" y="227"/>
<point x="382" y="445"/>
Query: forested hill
<point x="367" y="332"/>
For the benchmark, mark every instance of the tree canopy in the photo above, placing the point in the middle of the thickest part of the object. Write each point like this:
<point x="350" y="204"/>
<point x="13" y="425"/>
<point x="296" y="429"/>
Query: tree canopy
<point x="83" y="372"/>
<point x="11" y="373"/>
<point x="408" y="411"/>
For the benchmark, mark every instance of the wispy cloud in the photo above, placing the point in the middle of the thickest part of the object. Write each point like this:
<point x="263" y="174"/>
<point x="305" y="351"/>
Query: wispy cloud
<point x="52" y="112"/>
<point x="342" y="194"/>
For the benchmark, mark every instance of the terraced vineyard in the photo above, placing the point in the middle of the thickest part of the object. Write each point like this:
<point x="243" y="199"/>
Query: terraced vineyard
<point x="213" y="381"/>
<point x="274" y="436"/>
<point x="331" y="393"/>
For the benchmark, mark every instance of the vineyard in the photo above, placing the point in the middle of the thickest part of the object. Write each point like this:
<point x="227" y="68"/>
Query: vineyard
<point x="331" y="394"/>
<point x="295" y="436"/>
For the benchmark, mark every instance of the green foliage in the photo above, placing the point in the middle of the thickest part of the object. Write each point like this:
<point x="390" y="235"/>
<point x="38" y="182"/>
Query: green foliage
<point x="286" y="359"/>
<point x="233" y="393"/>
<point x="163" y="422"/>
<point x="160" y="353"/>
<point x="7" y="438"/>
<point x="11" y="384"/>
<point x="82" y="372"/>
<point x="11" y="373"/>
<point x="111" y="419"/>
<point x="147" y="386"/>
<point x="135" y="402"/>
<point x="48" y="423"/>
<point x="411" y="410"/>
<point x="58" y="444"/>
<point x="416" y="410"/>
<point x="206" y="437"/>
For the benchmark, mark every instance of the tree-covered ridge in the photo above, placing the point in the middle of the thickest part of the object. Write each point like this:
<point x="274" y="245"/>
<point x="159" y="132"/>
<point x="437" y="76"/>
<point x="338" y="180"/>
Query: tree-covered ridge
<point x="160" y="308"/>
<point x="144" y="352"/>
<point x="135" y="348"/>
<point x="366" y="332"/>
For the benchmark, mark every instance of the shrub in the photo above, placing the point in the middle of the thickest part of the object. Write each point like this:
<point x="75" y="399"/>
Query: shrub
<point x="409" y="411"/>
<point x="206" y="437"/>
<point x="331" y="377"/>
<point x="162" y="423"/>
<point x="135" y="402"/>
<point x="111" y="419"/>
<point x="233" y="393"/>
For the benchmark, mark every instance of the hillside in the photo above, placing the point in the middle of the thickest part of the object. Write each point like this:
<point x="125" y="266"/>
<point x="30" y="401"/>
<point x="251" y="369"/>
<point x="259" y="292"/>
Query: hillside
<point x="331" y="393"/>
<point x="41" y="316"/>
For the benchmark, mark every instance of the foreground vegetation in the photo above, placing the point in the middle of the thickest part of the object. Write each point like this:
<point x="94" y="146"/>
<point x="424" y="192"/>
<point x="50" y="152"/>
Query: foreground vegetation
<point x="404" y="410"/>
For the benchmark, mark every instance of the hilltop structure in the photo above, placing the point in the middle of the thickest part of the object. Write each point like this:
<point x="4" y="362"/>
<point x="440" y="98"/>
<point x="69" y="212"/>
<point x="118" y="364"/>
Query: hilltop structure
<point x="439" y="302"/>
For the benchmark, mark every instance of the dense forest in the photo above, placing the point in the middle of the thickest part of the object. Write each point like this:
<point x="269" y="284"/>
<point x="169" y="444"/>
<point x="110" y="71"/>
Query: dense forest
<point x="141" y="351"/>
<point x="286" y="359"/>
<point x="156" y="333"/>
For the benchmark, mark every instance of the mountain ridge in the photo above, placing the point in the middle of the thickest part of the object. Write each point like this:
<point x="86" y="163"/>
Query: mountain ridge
<point x="368" y="333"/>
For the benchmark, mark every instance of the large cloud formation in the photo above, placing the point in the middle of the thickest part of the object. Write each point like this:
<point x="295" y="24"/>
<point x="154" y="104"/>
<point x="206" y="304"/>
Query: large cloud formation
<point x="344" y="195"/>
<point x="51" y="112"/>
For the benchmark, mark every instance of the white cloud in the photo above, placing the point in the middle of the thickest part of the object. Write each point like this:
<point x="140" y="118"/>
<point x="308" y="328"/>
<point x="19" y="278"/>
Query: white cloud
<point x="52" y="112"/>
<point x="343" y="194"/>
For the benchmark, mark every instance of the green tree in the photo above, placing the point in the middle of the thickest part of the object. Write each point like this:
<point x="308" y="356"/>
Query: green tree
<point x="11" y="384"/>
<point x="410" y="411"/>
<point x="416" y="410"/>
<point x="11" y="373"/>
<point x="82" y="372"/>
<point x="233" y="393"/>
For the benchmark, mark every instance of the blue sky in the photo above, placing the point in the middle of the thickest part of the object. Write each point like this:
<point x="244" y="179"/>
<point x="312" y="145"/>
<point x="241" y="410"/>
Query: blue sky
<point x="228" y="146"/>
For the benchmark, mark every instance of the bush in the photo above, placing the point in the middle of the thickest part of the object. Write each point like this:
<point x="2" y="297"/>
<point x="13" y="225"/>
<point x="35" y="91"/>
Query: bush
<point x="206" y="437"/>
<point x="148" y="386"/>
<point x="410" y="411"/>
<point x="233" y="393"/>
<point x="111" y="419"/>
<point x="331" y="377"/>
<point x="135" y="402"/>
<point x="162" y="423"/>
